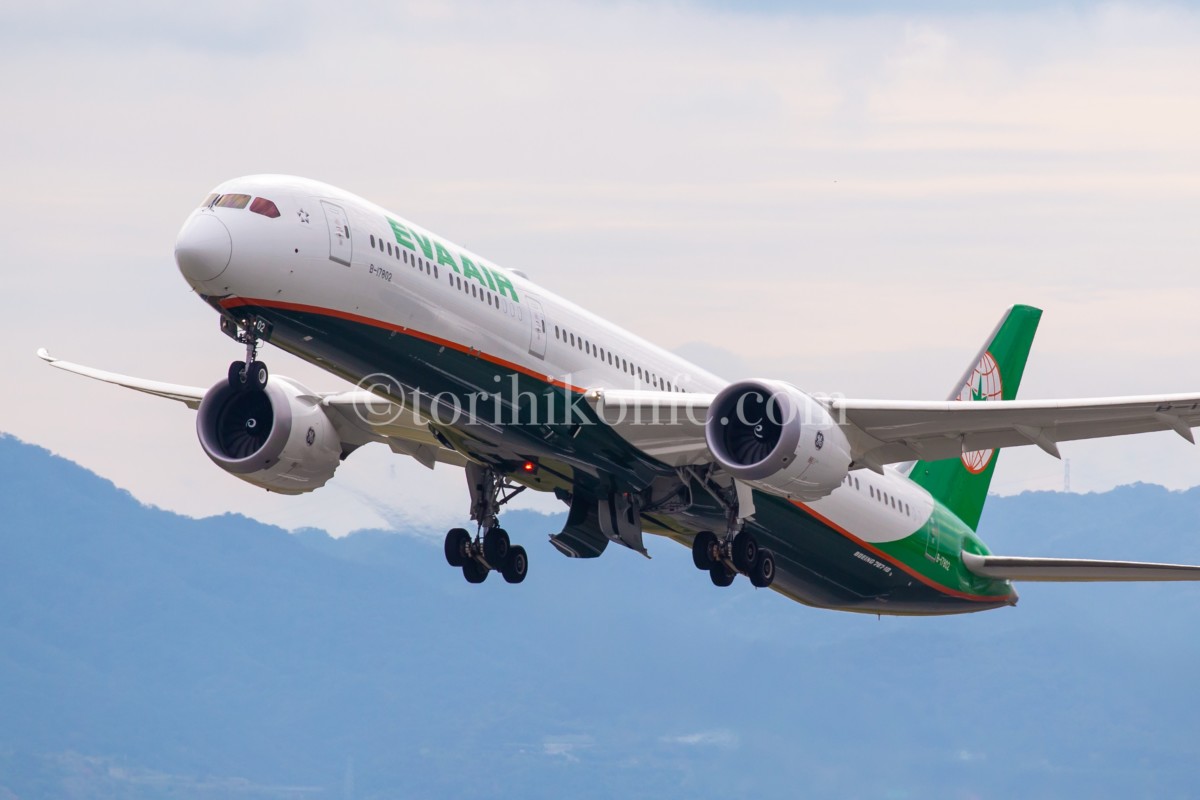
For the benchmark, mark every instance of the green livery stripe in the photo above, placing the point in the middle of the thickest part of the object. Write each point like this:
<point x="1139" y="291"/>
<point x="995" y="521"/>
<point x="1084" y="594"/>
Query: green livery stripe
<point x="932" y="555"/>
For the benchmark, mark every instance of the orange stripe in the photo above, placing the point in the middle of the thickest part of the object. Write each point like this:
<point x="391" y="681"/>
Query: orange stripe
<point x="982" y="598"/>
<point x="237" y="302"/>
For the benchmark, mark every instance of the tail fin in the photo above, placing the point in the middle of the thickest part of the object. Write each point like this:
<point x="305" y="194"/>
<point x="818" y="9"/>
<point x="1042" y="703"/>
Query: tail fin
<point x="961" y="484"/>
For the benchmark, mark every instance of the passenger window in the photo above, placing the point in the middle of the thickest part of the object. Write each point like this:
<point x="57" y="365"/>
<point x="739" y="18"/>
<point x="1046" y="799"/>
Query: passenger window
<point x="372" y="240"/>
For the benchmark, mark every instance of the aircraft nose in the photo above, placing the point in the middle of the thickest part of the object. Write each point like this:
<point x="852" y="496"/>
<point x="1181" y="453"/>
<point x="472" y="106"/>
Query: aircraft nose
<point x="203" y="248"/>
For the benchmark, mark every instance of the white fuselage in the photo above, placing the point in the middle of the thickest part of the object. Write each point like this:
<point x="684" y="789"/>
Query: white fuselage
<point x="331" y="250"/>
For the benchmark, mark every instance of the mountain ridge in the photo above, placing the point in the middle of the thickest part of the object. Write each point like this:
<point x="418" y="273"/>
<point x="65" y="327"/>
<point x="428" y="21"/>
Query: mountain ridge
<point x="147" y="644"/>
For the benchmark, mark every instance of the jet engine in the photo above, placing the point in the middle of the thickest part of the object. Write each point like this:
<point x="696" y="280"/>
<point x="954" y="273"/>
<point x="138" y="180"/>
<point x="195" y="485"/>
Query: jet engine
<point x="277" y="437"/>
<point x="775" y="437"/>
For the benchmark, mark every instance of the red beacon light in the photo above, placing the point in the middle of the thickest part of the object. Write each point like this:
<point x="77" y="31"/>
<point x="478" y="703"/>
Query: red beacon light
<point x="529" y="467"/>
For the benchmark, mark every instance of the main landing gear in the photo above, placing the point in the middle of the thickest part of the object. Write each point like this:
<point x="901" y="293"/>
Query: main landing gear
<point x="736" y="552"/>
<point x="724" y="558"/>
<point x="490" y="548"/>
<point x="248" y="374"/>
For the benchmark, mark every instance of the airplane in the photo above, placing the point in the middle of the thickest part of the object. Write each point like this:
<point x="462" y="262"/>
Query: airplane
<point x="866" y="506"/>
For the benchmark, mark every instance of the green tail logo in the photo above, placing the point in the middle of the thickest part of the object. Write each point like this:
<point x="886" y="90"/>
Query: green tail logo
<point x="961" y="484"/>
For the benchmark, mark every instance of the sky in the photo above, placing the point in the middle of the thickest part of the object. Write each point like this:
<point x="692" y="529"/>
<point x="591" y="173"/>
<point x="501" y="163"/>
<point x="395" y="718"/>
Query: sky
<point x="847" y="200"/>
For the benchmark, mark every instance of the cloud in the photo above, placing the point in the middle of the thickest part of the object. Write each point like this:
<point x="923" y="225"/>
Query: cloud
<point x="846" y="201"/>
<point x="566" y="747"/>
<point x="720" y="738"/>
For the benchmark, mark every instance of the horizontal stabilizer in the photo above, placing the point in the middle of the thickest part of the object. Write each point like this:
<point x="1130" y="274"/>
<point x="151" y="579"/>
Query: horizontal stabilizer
<point x="1076" y="569"/>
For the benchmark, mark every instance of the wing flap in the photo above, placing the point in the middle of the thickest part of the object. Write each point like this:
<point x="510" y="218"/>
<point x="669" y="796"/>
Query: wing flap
<point x="1067" y="570"/>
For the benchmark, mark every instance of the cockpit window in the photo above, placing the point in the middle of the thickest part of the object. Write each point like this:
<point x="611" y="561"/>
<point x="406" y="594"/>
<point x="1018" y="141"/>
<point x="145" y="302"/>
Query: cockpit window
<point x="262" y="205"/>
<point x="232" y="201"/>
<point x="208" y="201"/>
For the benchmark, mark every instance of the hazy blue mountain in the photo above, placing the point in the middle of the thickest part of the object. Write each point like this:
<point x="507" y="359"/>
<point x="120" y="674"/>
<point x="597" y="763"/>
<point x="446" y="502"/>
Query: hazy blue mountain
<point x="148" y="655"/>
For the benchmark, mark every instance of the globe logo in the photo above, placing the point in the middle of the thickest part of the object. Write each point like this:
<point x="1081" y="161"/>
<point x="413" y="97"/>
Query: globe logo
<point x="984" y="384"/>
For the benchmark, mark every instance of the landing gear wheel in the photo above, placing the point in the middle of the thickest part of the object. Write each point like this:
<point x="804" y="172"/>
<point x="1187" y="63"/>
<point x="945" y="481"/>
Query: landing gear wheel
<point x="237" y="374"/>
<point x="258" y="376"/>
<point x="516" y="566"/>
<point x="745" y="551"/>
<point x="475" y="572"/>
<point x="763" y="573"/>
<point x="457" y="542"/>
<point x="721" y="575"/>
<point x="703" y="545"/>
<point x="496" y="547"/>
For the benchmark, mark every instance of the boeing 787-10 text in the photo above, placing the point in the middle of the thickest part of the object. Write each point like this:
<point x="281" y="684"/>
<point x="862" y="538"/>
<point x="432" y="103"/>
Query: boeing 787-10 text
<point x="858" y="505"/>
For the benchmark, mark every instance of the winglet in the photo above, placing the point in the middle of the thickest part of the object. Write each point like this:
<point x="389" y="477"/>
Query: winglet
<point x="44" y="355"/>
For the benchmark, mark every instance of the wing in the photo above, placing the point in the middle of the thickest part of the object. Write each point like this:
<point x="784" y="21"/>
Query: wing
<point x="359" y="417"/>
<point x="886" y="432"/>
<point x="1075" y="569"/>
<point x="190" y="396"/>
<point x="670" y="426"/>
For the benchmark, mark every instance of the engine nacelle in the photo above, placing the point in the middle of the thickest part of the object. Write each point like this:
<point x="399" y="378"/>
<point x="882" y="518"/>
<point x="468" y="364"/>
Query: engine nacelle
<point x="775" y="437"/>
<point x="279" y="438"/>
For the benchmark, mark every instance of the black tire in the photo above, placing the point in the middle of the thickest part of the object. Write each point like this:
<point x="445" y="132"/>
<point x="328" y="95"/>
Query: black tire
<point x="475" y="572"/>
<point x="702" y="549"/>
<point x="745" y="551"/>
<point x="258" y="376"/>
<point x="496" y="545"/>
<point x="457" y="541"/>
<point x="763" y="574"/>
<point x="516" y="566"/>
<point x="237" y="374"/>
<point x="721" y="575"/>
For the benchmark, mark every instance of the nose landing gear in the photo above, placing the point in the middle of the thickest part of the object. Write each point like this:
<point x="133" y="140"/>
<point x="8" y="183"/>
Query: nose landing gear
<point x="248" y="374"/>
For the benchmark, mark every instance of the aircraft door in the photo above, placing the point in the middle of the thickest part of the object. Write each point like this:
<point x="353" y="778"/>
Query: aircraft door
<point x="340" y="247"/>
<point x="932" y="545"/>
<point x="537" y="336"/>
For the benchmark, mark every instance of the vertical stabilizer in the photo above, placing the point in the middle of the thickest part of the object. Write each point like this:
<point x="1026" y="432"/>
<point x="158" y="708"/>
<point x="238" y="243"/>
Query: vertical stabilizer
<point x="961" y="484"/>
